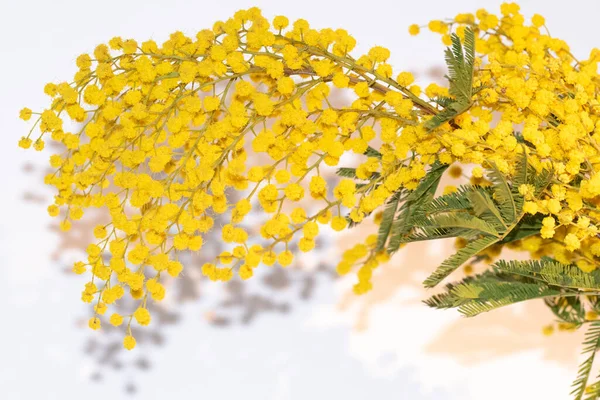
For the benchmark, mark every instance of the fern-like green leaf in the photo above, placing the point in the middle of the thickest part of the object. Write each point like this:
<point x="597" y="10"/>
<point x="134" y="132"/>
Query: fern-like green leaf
<point x="458" y="220"/>
<point x="494" y="295"/>
<point x="521" y="177"/>
<point x="502" y="194"/>
<point x="592" y="392"/>
<point x="387" y="219"/>
<point x="346" y="172"/>
<point x="461" y="63"/>
<point x="490" y="290"/>
<point x="459" y="200"/>
<point x="458" y="259"/>
<point x="540" y="181"/>
<point x="469" y="46"/>
<point x="443" y="101"/>
<point x="412" y="205"/>
<point x="528" y="226"/>
<point x="552" y="273"/>
<point x="521" y="170"/>
<point x="483" y="204"/>
<point x="425" y="234"/>
<point x="591" y="344"/>
<point x="441" y="118"/>
<point x="442" y="300"/>
<point x="371" y="152"/>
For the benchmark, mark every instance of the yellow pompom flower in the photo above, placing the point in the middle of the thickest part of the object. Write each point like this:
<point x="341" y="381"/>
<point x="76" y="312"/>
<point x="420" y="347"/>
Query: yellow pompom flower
<point x="25" y="114"/>
<point x="142" y="316"/>
<point x="285" y="258"/>
<point x="572" y="242"/>
<point x="129" y="342"/>
<point x="116" y="319"/>
<point x="280" y="22"/>
<point x="338" y="223"/>
<point x="246" y="272"/>
<point x="94" y="323"/>
<point x="538" y="20"/>
<point x="25" y="143"/>
<point x="414" y="29"/>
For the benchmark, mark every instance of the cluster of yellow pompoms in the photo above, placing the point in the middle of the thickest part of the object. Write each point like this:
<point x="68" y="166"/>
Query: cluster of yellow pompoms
<point x="246" y="116"/>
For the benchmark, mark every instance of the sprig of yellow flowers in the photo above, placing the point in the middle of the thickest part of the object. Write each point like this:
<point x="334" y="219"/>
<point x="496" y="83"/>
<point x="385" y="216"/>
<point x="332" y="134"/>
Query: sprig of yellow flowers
<point x="250" y="114"/>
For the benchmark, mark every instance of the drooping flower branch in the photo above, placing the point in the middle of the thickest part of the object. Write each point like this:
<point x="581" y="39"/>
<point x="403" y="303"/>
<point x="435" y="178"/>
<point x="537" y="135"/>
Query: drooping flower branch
<point x="249" y="114"/>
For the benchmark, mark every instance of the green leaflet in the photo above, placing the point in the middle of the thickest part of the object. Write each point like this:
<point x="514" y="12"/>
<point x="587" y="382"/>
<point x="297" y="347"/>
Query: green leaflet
<point x="459" y="200"/>
<point x="503" y="194"/>
<point x="485" y="215"/>
<point x="400" y="216"/>
<point x="459" y="220"/>
<point x="457" y="259"/>
<point x="484" y="206"/>
<point x="371" y="152"/>
<point x="460" y="61"/>
<point x="528" y="226"/>
<point x="591" y="344"/>
<point x="387" y="220"/>
<point x="522" y="175"/>
<point x="346" y="172"/>
<point x="503" y="294"/>
<point x="411" y="207"/>
<point x="552" y="273"/>
<point x="488" y="291"/>
<point x="593" y="391"/>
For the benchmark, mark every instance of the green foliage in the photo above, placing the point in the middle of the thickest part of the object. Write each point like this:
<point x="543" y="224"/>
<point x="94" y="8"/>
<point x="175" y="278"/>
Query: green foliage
<point x="495" y="215"/>
<point x="591" y="344"/>
<point x="504" y="196"/>
<point x="528" y="226"/>
<point x="551" y="272"/>
<point x="346" y="172"/>
<point x="458" y="200"/>
<point x="387" y="220"/>
<point x="495" y="294"/>
<point x="488" y="291"/>
<point x="443" y="101"/>
<point x="460" y="60"/>
<point x="485" y="208"/>
<point x="459" y="258"/>
<point x="410" y="209"/>
<point x="461" y="63"/>
<point x="509" y="282"/>
<point x="371" y="152"/>
<point x="487" y="216"/>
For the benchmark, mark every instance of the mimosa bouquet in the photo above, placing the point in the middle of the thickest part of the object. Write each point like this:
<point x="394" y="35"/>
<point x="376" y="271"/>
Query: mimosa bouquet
<point x="249" y="115"/>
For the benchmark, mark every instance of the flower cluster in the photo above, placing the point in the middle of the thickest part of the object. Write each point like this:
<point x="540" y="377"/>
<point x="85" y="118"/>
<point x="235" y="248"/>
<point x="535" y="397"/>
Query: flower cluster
<point x="162" y="137"/>
<point x="547" y="99"/>
<point x="248" y="115"/>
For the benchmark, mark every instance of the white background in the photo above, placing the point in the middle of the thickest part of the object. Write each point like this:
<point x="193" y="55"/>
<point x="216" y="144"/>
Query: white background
<point x="314" y="353"/>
